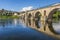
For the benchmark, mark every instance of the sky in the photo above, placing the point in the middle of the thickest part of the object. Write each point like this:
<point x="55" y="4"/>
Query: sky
<point x="22" y="5"/>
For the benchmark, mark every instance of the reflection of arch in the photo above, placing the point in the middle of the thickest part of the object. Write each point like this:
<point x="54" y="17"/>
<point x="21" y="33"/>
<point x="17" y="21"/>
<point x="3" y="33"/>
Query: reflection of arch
<point x="37" y="19"/>
<point x="29" y="18"/>
<point x="50" y="16"/>
<point x="24" y="17"/>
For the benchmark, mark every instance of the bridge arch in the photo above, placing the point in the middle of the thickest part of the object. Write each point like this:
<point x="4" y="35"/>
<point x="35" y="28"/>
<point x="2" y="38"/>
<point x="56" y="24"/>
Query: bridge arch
<point x="50" y="20"/>
<point x="37" y="19"/>
<point x="52" y="12"/>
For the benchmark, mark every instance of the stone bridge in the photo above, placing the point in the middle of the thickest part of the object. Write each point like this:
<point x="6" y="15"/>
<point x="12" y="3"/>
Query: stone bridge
<point x="41" y="19"/>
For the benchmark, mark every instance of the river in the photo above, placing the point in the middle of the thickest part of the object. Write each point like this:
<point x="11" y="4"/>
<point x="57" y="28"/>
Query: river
<point x="14" y="29"/>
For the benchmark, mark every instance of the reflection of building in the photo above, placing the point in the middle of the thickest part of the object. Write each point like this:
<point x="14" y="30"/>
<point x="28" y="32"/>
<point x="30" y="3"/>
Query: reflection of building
<point x="15" y="21"/>
<point x="9" y="13"/>
<point x="4" y="22"/>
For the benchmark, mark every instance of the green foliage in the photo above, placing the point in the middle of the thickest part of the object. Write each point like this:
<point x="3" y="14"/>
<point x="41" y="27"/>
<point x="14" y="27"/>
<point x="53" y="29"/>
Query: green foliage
<point x="7" y="17"/>
<point x="55" y="16"/>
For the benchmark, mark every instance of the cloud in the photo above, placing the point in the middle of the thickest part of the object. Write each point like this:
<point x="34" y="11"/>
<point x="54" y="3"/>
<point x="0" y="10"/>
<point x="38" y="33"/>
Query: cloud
<point x="27" y="8"/>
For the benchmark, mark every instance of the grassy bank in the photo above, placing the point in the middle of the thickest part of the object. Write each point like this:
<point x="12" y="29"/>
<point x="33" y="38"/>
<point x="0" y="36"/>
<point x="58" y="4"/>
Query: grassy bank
<point x="7" y="17"/>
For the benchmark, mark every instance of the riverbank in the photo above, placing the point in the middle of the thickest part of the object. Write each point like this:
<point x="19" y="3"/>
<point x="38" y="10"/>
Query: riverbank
<point x="8" y="17"/>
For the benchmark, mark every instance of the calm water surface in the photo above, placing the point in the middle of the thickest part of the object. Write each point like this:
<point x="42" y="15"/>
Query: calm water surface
<point x="56" y="26"/>
<point x="14" y="29"/>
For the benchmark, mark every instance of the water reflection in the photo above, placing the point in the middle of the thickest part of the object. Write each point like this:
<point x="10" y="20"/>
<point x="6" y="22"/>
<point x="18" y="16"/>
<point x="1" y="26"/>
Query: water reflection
<point x="53" y="25"/>
<point x="4" y="22"/>
<point x="9" y="22"/>
<point x="37" y="23"/>
<point x="29" y="19"/>
<point x="56" y="27"/>
<point x="14" y="29"/>
<point x="15" y="21"/>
